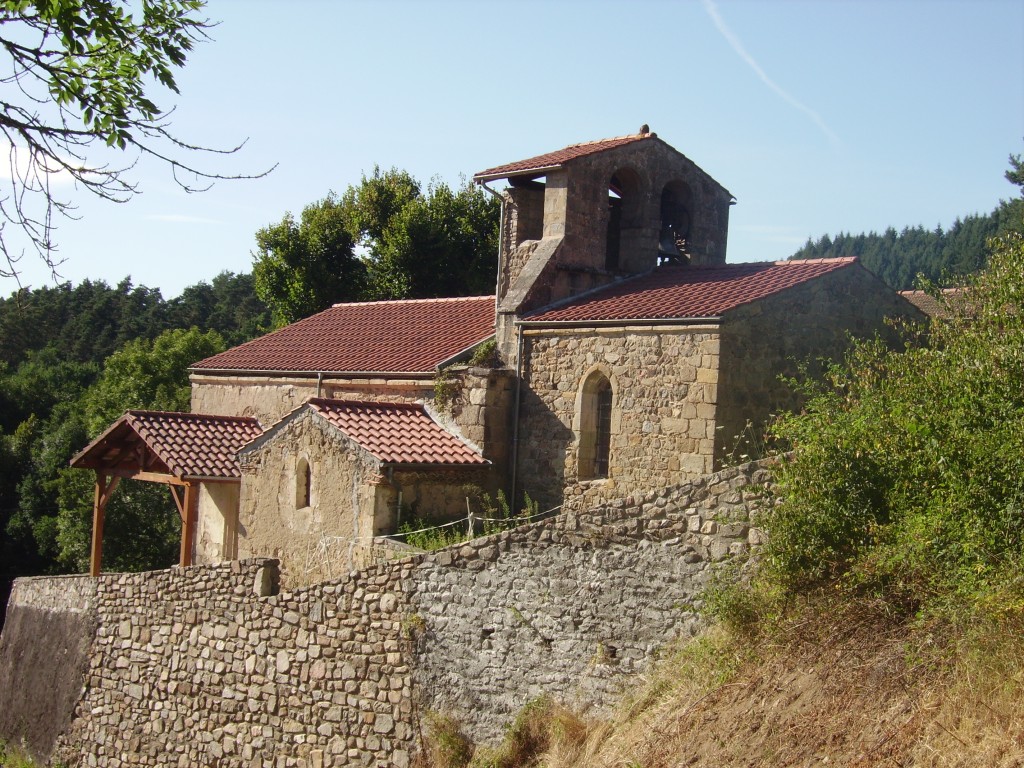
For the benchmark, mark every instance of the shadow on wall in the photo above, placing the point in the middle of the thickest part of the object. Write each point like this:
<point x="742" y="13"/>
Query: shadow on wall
<point x="544" y="442"/>
<point x="45" y="656"/>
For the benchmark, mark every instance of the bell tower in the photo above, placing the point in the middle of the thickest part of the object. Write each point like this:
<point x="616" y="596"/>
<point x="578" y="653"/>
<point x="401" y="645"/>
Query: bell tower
<point x="593" y="213"/>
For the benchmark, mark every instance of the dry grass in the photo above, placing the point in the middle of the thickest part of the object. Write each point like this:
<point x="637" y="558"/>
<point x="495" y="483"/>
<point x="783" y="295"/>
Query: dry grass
<point x="839" y="685"/>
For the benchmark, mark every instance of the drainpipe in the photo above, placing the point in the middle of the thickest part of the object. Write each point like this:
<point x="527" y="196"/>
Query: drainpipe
<point x="319" y="381"/>
<point x="515" y="415"/>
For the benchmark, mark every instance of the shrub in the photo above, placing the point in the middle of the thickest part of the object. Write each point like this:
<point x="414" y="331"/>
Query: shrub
<point x="906" y="480"/>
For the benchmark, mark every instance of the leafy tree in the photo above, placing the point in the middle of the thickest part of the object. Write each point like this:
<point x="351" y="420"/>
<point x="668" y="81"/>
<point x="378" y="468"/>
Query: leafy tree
<point x="443" y="243"/>
<point x="148" y="375"/>
<point x="82" y="73"/>
<point x="303" y="267"/>
<point x="413" y="244"/>
<point x="376" y="201"/>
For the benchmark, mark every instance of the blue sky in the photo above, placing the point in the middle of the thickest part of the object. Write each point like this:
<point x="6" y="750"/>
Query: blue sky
<point x="820" y="116"/>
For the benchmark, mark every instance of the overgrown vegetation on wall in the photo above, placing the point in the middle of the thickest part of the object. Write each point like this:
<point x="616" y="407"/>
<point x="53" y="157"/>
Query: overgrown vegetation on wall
<point x="906" y="481"/>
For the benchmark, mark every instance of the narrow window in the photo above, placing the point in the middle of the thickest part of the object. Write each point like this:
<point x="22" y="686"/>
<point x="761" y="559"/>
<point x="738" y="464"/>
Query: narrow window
<point x="595" y="423"/>
<point x="303" y="484"/>
<point x="603" y="438"/>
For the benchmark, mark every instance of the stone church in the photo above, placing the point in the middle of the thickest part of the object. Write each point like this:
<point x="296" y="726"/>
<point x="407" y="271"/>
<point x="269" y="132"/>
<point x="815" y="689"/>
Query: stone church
<point x="620" y="354"/>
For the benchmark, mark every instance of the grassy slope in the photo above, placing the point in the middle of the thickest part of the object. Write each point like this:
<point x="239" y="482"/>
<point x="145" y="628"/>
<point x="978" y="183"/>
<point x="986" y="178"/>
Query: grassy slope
<point x="836" y="687"/>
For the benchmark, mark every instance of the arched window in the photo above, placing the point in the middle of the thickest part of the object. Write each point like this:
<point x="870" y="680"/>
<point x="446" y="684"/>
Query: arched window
<point x="303" y="484"/>
<point x="596" y="404"/>
<point x="673" y="242"/>
<point x="623" y="207"/>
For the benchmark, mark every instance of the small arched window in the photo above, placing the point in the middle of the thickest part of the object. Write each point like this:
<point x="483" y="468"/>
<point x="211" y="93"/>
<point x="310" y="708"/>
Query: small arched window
<point x="596" y="404"/>
<point x="303" y="484"/>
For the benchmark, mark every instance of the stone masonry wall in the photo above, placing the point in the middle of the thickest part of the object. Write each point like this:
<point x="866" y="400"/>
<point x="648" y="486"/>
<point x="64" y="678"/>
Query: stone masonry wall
<point x="574" y="606"/>
<point x="268" y="399"/>
<point x="805" y="324"/>
<point x="189" y="667"/>
<point x="311" y="541"/>
<point x="44" y="653"/>
<point x="664" y="382"/>
<point x="205" y="666"/>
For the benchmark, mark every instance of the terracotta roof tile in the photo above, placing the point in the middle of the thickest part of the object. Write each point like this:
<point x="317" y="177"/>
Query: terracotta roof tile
<point x="397" y="433"/>
<point x="686" y="292"/>
<point x="185" y="444"/>
<point x="556" y="159"/>
<point x="931" y="305"/>
<point x="412" y="336"/>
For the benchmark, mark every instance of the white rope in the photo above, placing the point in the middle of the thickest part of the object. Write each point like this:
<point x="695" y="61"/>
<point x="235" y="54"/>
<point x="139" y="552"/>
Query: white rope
<point x="434" y="528"/>
<point x="518" y="518"/>
<point x="462" y="521"/>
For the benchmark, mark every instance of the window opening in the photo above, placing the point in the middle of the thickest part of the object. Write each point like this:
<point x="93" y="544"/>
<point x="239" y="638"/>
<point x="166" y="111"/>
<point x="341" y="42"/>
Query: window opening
<point x="595" y="425"/>
<point x="673" y="247"/>
<point x="603" y="440"/>
<point x="613" y="238"/>
<point x="303" y="484"/>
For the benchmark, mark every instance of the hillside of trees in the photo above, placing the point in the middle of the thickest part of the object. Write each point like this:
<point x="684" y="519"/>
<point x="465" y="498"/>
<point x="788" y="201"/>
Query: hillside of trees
<point x="72" y="360"/>
<point x="937" y="255"/>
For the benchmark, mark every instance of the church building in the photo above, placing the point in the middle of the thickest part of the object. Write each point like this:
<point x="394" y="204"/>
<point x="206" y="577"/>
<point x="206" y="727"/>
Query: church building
<point x="620" y="354"/>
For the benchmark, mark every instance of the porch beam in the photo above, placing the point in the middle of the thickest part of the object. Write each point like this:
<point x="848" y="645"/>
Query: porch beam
<point x="188" y="527"/>
<point x="105" y="487"/>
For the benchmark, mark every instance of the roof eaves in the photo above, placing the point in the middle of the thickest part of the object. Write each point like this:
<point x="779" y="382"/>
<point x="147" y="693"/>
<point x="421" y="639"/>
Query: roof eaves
<point x="620" y="321"/>
<point x="99" y="439"/>
<point x="432" y="465"/>
<point x="539" y="170"/>
<point x="311" y="373"/>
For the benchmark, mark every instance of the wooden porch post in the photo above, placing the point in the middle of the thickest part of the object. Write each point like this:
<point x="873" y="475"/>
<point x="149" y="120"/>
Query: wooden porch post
<point x="189" y="518"/>
<point x="104" y="489"/>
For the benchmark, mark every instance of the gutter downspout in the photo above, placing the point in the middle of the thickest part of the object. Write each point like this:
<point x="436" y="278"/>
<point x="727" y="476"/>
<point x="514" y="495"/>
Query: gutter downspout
<point x="319" y="381"/>
<point x="515" y="416"/>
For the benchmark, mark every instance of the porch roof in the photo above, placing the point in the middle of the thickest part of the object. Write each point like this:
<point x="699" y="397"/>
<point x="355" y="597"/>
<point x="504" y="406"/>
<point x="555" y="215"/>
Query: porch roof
<point x="179" y="445"/>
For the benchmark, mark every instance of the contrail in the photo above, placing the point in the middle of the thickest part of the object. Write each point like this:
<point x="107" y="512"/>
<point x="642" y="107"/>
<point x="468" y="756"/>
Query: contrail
<point x="737" y="46"/>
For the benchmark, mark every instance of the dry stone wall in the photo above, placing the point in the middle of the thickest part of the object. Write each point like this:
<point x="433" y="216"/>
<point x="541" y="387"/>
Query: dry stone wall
<point x="190" y="667"/>
<point x="574" y="606"/>
<point x="206" y="666"/>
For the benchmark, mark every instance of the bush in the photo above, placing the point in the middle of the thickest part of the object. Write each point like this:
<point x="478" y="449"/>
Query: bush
<point x="906" y="480"/>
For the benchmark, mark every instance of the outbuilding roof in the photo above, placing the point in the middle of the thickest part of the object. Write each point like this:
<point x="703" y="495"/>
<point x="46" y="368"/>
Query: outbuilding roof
<point x="184" y="445"/>
<point x="397" y="434"/>
<point x="552" y="160"/>
<point x="687" y="292"/>
<point x="395" y="337"/>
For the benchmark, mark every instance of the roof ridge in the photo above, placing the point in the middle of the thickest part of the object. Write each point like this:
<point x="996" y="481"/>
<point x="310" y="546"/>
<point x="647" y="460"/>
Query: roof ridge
<point x="611" y="138"/>
<point x="189" y="414"/>
<point x="366" y="403"/>
<point x="821" y="260"/>
<point x="409" y="301"/>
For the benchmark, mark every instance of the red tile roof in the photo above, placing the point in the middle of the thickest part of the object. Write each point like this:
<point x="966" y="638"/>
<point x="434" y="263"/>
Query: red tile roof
<point x="556" y="159"/>
<point x="397" y="433"/>
<point x="931" y="305"/>
<point x="687" y="292"/>
<point x="411" y="336"/>
<point x="186" y="445"/>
